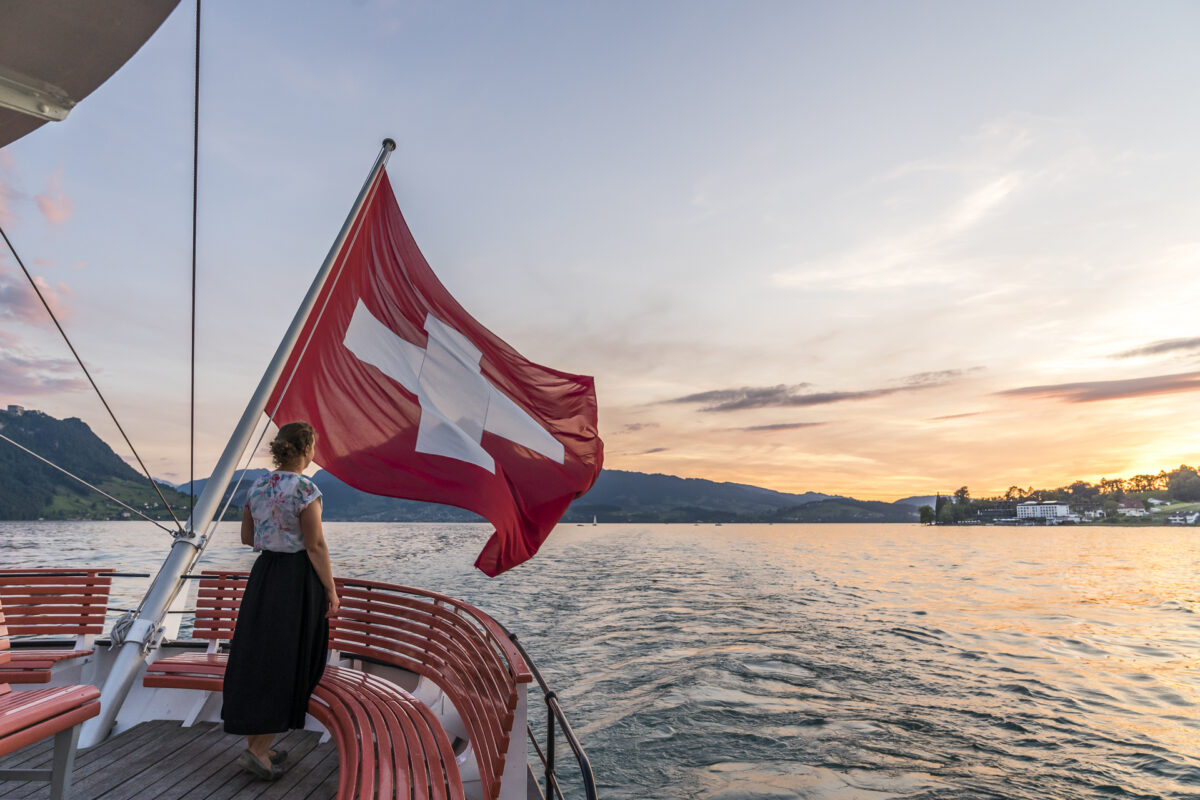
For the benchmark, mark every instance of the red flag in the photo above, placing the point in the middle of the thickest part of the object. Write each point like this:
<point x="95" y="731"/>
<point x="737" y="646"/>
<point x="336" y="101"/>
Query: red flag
<point x="411" y="397"/>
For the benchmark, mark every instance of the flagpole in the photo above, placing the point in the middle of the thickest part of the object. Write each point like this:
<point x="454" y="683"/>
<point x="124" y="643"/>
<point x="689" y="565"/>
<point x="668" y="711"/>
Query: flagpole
<point x="143" y="633"/>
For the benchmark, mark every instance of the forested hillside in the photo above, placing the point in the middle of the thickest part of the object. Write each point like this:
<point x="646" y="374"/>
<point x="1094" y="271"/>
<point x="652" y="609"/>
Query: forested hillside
<point x="31" y="489"/>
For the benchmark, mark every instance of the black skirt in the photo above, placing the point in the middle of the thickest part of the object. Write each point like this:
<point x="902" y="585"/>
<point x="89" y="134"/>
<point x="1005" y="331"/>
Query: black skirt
<point x="279" y="647"/>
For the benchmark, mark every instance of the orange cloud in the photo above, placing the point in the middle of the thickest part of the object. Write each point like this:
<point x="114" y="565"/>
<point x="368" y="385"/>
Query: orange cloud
<point x="782" y="426"/>
<point x="54" y="204"/>
<point x="783" y="396"/>
<point x="1164" y="346"/>
<point x="1093" y="391"/>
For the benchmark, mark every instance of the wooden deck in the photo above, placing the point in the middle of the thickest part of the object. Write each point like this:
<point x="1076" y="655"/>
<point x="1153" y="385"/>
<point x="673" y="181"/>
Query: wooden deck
<point x="163" y="760"/>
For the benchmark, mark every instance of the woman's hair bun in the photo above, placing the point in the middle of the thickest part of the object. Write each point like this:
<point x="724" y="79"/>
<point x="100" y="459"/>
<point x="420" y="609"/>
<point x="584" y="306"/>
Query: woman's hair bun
<point x="291" y="443"/>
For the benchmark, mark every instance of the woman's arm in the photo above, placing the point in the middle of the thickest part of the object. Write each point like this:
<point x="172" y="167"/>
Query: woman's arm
<point x="247" y="527"/>
<point x="318" y="551"/>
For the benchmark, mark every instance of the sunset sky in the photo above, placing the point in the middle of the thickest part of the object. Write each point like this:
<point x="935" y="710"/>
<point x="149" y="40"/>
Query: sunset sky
<point x="876" y="249"/>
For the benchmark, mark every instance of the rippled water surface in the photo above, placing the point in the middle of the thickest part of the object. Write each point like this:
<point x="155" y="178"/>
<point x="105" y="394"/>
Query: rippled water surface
<point x="815" y="661"/>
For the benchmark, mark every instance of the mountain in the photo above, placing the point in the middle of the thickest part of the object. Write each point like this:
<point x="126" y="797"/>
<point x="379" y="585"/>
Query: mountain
<point x="620" y="496"/>
<point x="845" y="509"/>
<point x="30" y="489"/>
<point x="916" y="502"/>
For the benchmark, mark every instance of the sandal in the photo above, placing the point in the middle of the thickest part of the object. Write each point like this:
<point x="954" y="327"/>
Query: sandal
<point x="278" y="757"/>
<point x="250" y="763"/>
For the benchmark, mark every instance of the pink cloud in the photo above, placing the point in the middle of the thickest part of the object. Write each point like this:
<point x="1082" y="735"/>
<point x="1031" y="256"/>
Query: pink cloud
<point x="7" y="160"/>
<point x="24" y="374"/>
<point x="54" y="204"/>
<point x="43" y="262"/>
<point x="19" y="302"/>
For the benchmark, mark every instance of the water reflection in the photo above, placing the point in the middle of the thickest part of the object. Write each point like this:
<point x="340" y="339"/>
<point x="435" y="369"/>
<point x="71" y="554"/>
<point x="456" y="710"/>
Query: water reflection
<point x="819" y="661"/>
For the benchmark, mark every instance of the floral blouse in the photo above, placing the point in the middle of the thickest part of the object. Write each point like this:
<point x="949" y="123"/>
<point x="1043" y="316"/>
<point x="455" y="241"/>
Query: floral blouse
<point x="275" y="501"/>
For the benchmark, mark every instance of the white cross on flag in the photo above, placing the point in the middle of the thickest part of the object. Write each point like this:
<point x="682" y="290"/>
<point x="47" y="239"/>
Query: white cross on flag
<point x="411" y="397"/>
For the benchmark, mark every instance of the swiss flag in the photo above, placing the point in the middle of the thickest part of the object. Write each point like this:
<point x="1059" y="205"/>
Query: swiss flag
<point x="411" y="397"/>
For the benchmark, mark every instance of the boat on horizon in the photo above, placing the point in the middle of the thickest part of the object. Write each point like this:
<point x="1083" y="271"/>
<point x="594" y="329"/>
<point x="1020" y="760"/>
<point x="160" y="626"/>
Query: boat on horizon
<point x="424" y="695"/>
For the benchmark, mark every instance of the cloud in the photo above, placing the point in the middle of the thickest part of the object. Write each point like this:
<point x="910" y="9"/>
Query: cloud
<point x="24" y="374"/>
<point x="745" y="397"/>
<point x="782" y="426"/>
<point x="637" y="426"/>
<point x="939" y="377"/>
<point x="1160" y="347"/>
<point x="1094" y="391"/>
<point x="915" y="257"/>
<point x="19" y="302"/>
<point x="956" y="416"/>
<point x="54" y="204"/>
<point x="653" y="450"/>
<point x="783" y="396"/>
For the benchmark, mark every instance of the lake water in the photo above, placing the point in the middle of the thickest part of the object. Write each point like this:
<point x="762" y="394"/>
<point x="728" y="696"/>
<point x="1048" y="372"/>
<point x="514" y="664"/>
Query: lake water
<point x="815" y="661"/>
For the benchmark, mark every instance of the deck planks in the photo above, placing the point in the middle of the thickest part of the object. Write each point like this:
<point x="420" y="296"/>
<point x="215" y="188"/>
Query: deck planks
<point x="161" y="759"/>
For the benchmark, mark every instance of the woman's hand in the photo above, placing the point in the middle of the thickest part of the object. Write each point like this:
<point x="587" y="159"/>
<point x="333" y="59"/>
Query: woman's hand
<point x="333" y="604"/>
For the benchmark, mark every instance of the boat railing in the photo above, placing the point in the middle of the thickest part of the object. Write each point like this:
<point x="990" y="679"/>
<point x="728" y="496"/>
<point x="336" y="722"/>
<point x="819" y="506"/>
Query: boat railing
<point x="555" y="720"/>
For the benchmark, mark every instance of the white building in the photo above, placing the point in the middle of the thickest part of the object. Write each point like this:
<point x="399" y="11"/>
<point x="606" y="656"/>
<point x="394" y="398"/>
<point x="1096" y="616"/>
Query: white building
<point x="1132" y="507"/>
<point x="1048" y="511"/>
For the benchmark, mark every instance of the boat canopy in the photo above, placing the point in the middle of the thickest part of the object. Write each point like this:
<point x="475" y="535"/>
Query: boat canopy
<point x="54" y="53"/>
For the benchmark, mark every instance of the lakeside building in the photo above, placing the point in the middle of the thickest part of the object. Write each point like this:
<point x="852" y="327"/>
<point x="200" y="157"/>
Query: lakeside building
<point x="1132" y="507"/>
<point x="1049" y="511"/>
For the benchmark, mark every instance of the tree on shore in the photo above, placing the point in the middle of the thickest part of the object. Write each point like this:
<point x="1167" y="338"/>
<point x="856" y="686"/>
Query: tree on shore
<point x="1184" y="485"/>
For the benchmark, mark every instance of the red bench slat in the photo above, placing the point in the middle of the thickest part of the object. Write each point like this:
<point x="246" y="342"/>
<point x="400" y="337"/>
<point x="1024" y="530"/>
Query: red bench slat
<point x="34" y="666"/>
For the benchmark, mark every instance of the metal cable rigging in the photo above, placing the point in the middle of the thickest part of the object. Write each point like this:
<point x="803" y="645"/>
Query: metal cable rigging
<point x="96" y="489"/>
<point x="195" y="196"/>
<point x="88" y="374"/>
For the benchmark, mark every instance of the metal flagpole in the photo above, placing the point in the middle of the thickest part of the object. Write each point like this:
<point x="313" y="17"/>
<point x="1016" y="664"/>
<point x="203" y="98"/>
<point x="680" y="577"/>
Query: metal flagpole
<point x="143" y="634"/>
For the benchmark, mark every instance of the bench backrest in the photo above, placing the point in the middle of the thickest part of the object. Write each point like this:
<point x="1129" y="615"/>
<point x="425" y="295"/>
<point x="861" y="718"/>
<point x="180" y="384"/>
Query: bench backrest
<point x="218" y="599"/>
<point x="449" y="642"/>
<point x="55" y="601"/>
<point x="4" y="656"/>
<point x="456" y="646"/>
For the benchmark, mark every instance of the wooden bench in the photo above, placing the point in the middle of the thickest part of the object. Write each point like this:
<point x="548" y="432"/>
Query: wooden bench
<point x="454" y="645"/>
<point x="32" y="715"/>
<point x="51" y="602"/>
<point x="390" y="744"/>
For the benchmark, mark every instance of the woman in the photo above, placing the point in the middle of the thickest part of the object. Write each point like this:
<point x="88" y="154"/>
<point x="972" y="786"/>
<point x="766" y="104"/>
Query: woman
<point x="279" y="647"/>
